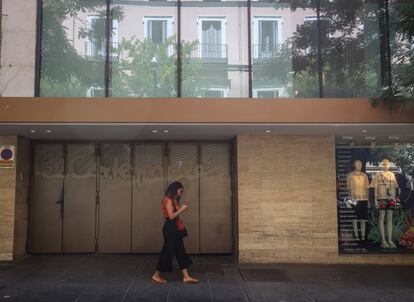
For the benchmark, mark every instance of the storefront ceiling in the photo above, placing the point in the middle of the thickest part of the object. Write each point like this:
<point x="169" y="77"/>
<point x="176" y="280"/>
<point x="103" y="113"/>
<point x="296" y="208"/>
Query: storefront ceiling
<point x="346" y="133"/>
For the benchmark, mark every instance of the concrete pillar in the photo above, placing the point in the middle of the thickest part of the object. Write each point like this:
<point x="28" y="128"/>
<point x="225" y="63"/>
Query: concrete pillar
<point x="14" y="188"/>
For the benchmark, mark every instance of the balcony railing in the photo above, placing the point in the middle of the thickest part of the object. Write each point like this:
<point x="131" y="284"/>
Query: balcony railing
<point x="210" y="51"/>
<point x="264" y="51"/>
<point x="94" y="51"/>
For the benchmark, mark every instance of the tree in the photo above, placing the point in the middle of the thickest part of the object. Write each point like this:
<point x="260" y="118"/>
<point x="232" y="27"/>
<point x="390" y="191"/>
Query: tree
<point x="349" y="47"/>
<point x="401" y="92"/>
<point x="64" y="72"/>
<point x="147" y="69"/>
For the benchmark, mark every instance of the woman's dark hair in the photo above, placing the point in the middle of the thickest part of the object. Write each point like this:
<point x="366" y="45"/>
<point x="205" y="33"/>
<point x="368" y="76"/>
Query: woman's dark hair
<point x="173" y="188"/>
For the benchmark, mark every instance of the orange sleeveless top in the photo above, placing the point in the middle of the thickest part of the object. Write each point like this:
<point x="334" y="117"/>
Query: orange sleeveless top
<point x="164" y="206"/>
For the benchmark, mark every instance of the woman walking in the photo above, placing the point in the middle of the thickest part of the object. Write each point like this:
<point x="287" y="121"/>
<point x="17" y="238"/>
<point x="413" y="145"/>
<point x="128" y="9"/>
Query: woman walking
<point x="173" y="241"/>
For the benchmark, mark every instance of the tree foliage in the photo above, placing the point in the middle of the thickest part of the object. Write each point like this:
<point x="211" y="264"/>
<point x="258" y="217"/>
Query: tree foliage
<point x="65" y="72"/>
<point x="60" y="61"/>
<point x="402" y="156"/>
<point x="137" y="75"/>
<point x="350" y="49"/>
<point x="401" y="93"/>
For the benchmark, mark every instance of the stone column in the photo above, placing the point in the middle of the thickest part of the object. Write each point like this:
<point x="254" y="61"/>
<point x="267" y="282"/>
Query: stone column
<point x="22" y="197"/>
<point x="14" y="184"/>
<point x="287" y="199"/>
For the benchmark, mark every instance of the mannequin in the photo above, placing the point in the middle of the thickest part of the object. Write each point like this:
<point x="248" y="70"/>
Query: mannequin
<point x="385" y="185"/>
<point x="358" y="185"/>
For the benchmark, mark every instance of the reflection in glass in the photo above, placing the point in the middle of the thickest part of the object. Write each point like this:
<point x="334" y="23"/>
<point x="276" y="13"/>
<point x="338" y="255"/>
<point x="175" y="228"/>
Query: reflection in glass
<point x="146" y="51"/>
<point x="214" y="49"/>
<point x="350" y="48"/>
<point x="298" y="48"/>
<point x="402" y="47"/>
<point x="73" y="48"/>
<point x="284" y="49"/>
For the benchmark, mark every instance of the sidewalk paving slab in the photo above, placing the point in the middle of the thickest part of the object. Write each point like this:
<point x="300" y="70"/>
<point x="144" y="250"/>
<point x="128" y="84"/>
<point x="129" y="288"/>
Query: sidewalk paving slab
<point x="127" y="278"/>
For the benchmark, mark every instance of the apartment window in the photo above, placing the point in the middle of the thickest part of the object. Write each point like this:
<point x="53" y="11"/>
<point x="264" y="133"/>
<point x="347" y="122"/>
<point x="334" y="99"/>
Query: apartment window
<point x="311" y="21"/>
<point x="95" y="92"/>
<point x="270" y="93"/>
<point x="158" y="29"/>
<point x="95" y="46"/>
<point x="114" y="34"/>
<point x="217" y="93"/>
<point x="267" y="36"/>
<point x="212" y="37"/>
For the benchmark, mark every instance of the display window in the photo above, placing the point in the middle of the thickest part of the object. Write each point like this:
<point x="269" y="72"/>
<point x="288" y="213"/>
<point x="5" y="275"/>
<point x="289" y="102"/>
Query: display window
<point x="375" y="195"/>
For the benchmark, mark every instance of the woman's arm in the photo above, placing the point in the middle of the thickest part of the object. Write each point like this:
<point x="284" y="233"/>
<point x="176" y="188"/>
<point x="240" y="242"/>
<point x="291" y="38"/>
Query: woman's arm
<point x="170" y="209"/>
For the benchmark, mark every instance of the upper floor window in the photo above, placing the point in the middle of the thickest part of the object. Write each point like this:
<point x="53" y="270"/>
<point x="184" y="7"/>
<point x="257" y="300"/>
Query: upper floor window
<point x="311" y="22"/>
<point x="158" y="29"/>
<point x="268" y="93"/>
<point x="267" y="35"/>
<point x="96" y="44"/>
<point x="212" y="37"/>
<point x="217" y="92"/>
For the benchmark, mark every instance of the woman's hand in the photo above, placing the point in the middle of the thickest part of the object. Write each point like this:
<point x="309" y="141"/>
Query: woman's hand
<point x="184" y="207"/>
<point x="172" y="214"/>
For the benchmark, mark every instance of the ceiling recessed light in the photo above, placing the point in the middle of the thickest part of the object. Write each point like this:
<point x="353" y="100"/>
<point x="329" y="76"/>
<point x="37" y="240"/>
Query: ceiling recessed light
<point x="364" y="131"/>
<point x="267" y="131"/>
<point x="165" y="131"/>
<point x="48" y="131"/>
<point x="154" y="131"/>
<point x="33" y="131"/>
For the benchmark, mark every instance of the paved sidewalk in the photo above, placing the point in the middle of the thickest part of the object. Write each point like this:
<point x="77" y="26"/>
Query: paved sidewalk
<point x="127" y="278"/>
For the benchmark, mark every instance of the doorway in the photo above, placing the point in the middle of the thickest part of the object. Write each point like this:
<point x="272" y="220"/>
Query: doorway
<point x="106" y="198"/>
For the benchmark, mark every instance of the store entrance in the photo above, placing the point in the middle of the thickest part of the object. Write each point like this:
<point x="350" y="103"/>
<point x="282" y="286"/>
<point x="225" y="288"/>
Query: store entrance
<point x="106" y="198"/>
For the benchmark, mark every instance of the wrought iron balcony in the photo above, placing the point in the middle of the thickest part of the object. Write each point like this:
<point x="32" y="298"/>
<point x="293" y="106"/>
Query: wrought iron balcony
<point x="94" y="51"/>
<point x="264" y="51"/>
<point x="211" y="52"/>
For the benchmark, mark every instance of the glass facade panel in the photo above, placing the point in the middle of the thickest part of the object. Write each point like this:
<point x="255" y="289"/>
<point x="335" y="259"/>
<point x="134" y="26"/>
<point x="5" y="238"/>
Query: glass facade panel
<point x="145" y="63"/>
<point x="402" y="47"/>
<point x="297" y="49"/>
<point x="375" y="192"/>
<point x="73" y="48"/>
<point x="214" y="60"/>
<point x="284" y="49"/>
<point x="350" y="44"/>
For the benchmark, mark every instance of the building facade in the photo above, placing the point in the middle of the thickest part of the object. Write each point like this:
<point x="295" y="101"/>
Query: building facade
<point x="261" y="108"/>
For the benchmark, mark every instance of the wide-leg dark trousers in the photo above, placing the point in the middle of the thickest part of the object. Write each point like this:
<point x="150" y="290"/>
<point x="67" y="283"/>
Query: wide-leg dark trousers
<point x="173" y="245"/>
